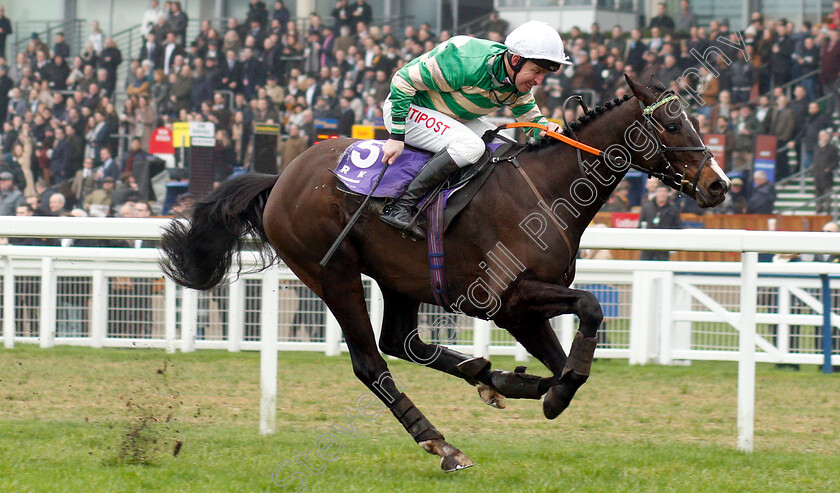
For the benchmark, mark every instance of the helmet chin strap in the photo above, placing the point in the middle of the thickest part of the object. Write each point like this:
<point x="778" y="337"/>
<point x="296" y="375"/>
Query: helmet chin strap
<point x="515" y="66"/>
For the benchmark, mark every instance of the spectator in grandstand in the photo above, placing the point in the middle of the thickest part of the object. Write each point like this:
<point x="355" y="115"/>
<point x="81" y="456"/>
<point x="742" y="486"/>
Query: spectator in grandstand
<point x="825" y="160"/>
<point x="661" y="213"/>
<point x="781" y="50"/>
<point x="830" y="68"/>
<point x="253" y="73"/>
<point x="128" y="191"/>
<point x="744" y="128"/>
<point x="181" y="89"/>
<point x="110" y="59"/>
<point x="77" y="146"/>
<point x="84" y="181"/>
<point x="6" y="85"/>
<point x="620" y="200"/>
<point x="669" y="71"/>
<point x="10" y="195"/>
<point x="17" y="103"/>
<point x="799" y="104"/>
<point x="723" y="108"/>
<point x="742" y="77"/>
<point x="290" y="146"/>
<point x="495" y="24"/>
<point x="101" y="196"/>
<point x="96" y="38"/>
<point x="782" y="125"/>
<point x="5" y="30"/>
<point x="809" y="129"/>
<point x="161" y="90"/>
<point x="257" y="13"/>
<point x="60" y="159"/>
<point x="152" y="17"/>
<point x="109" y="164"/>
<point x="829" y="227"/>
<point x="736" y="200"/>
<point x="231" y="72"/>
<point x="661" y="20"/>
<point x="224" y="155"/>
<point x="636" y="50"/>
<point x="763" y="196"/>
<point x="177" y="22"/>
<point x="708" y="86"/>
<point x="340" y="14"/>
<point x="806" y="58"/>
<point x="360" y="11"/>
<point x="152" y="51"/>
<point x="26" y="210"/>
<point x="19" y="161"/>
<point x="171" y="49"/>
<point x="686" y="19"/>
<point x="57" y="205"/>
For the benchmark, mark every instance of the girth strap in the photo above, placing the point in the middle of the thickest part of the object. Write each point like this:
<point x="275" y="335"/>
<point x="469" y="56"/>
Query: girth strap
<point x="547" y="208"/>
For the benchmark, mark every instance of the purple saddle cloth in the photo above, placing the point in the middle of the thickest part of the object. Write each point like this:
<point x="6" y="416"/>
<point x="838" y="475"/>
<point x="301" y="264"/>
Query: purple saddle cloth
<point x="361" y="164"/>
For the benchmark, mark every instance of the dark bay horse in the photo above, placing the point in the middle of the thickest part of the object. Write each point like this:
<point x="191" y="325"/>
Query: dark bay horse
<point x="506" y="256"/>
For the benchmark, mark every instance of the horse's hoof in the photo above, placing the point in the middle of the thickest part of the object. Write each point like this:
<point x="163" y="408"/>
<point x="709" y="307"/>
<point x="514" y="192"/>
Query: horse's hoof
<point x="558" y="397"/>
<point x="455" y="462"/>
<point x="556" y="400"/>
<point x="491" y="396"/>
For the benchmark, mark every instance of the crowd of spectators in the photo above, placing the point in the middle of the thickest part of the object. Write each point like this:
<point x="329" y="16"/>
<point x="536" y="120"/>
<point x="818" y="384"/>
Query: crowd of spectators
<point x="60" y="111"/>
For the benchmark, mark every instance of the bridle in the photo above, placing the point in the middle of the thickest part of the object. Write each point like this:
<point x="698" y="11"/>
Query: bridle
<point x="665" y="171"/>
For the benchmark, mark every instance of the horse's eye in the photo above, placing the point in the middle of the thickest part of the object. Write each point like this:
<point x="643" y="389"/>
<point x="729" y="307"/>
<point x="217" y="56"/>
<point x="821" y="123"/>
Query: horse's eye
<point x="672" y="128"/>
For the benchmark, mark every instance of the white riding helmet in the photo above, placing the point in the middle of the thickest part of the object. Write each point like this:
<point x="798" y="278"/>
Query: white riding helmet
<point x="539" y="42"/>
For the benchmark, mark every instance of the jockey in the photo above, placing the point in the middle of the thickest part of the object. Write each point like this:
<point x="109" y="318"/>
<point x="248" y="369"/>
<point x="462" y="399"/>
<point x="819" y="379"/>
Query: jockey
<point x="437" y="101"/>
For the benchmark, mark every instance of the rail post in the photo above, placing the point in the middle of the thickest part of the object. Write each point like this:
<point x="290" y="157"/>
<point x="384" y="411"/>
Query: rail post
<point x="826" y="327"/>
<point x="48" y="303"/>
<point x="746" y="358"/>
<point x="268" y="351"/>
<point x="8" y="303"/>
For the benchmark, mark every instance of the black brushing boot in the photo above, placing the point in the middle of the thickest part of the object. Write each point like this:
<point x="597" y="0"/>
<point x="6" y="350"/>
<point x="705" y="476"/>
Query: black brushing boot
<point x="439" y="167"/>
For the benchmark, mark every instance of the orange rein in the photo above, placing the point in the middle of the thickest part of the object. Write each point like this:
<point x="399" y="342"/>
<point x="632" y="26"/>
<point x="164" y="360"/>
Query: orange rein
<point x="555" y="135"/>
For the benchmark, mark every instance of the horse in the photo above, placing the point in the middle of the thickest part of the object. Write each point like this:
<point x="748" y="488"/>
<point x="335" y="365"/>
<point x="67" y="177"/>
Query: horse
<point x="525" y="223"/>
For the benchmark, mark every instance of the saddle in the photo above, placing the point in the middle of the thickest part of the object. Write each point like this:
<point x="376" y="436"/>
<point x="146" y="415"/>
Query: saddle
<point x="361" y="163"/>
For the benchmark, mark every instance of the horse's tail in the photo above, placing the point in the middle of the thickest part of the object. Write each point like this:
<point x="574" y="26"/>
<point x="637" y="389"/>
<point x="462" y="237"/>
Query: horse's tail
<point x="199" y="251"/>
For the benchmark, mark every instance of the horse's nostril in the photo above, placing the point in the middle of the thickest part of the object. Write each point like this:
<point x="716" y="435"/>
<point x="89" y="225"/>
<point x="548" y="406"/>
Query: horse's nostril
<point x="718" y="187"/>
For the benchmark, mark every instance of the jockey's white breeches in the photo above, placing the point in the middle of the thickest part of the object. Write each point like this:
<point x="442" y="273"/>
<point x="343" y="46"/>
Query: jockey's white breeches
<point x="433" y="131"/>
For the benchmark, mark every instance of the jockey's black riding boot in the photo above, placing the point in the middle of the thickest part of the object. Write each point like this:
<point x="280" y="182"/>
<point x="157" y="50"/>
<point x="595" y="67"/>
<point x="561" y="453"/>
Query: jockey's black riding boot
<point x="439" y="167"/>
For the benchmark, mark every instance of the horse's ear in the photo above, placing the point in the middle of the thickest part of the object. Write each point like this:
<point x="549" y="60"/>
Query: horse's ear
<point x="656" y="84"/>
<point x="640" y="91"/>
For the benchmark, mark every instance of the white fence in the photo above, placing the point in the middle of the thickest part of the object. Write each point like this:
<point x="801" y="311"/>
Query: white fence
<point x="654" y="311"/>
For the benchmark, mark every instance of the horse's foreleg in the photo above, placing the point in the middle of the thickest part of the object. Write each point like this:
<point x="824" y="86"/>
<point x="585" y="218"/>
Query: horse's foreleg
<point x="540" y="301"/>
<point x="345" y="298"/>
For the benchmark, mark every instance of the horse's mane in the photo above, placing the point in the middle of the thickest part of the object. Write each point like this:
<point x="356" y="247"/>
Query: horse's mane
<point x="579" y="123"/>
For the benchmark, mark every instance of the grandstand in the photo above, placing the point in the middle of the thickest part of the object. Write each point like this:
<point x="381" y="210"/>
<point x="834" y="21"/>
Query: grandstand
<point x="292" y="69"/>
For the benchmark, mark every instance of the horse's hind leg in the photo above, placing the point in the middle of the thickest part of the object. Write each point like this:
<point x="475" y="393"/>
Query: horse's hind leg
<point x="541" y="342"/>
<point x="344" y="295"/>
<point x="399" y="338"/>
<point x="540" y="301"/>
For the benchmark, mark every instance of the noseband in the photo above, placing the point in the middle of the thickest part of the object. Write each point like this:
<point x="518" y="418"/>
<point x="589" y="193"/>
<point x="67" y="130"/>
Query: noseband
<point x="665" y="171"/>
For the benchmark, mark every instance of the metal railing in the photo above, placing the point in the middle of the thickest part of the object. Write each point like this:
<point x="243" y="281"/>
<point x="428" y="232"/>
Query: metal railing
<point x="474" y="27"/>
<point x="46" y="31"/>
<point x="833" y="205"/>
<point x="787" y="86"/>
